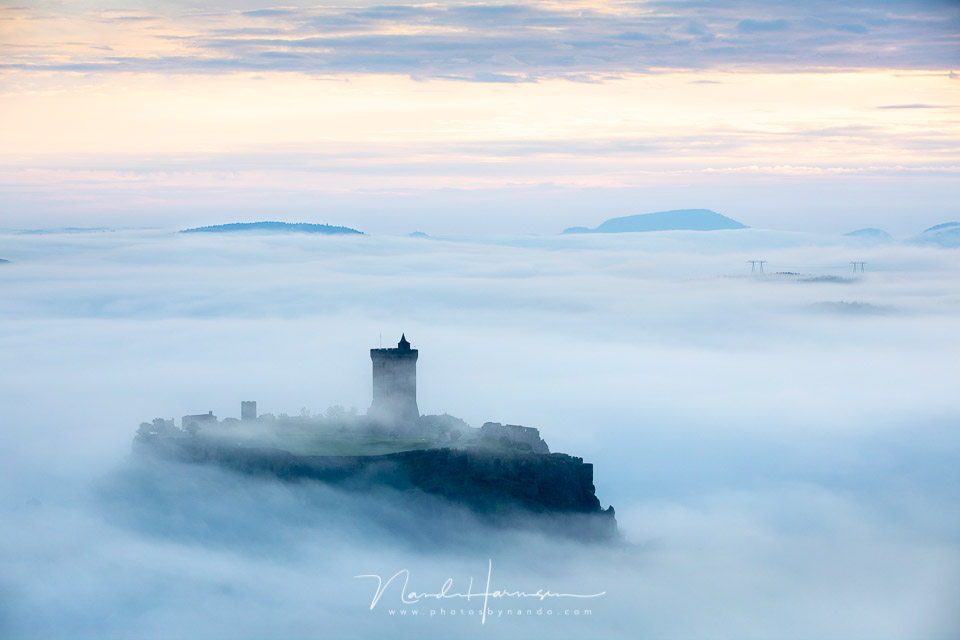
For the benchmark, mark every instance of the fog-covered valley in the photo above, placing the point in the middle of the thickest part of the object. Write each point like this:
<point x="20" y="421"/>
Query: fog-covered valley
<point x="780" y="448"/>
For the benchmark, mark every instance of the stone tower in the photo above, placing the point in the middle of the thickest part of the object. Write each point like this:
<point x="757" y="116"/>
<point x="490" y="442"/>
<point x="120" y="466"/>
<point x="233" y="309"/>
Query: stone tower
<point x="248" y="410"/>
<point x="394" y="384"/>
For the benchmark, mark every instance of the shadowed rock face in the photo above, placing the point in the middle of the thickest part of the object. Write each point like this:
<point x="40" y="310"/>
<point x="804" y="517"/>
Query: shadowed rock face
<point x="556" y="488"/>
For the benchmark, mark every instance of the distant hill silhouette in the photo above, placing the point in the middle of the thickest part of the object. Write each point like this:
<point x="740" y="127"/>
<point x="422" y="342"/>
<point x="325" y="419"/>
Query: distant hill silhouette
<point x="38" y="232"/>
<point x="281" y="227"/>
<point x="870" y="235"/>
<point x="676" y="220"/>
<point x="2" y="261"/>
<point x="942" y="235"/>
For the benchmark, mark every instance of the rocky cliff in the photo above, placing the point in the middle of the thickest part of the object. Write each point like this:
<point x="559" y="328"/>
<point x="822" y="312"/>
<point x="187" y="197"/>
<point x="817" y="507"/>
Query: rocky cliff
<point x="557" y="489"/>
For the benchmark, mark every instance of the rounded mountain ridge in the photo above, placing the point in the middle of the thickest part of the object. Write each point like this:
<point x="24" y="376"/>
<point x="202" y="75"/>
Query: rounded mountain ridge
<point x="674" y="220"/>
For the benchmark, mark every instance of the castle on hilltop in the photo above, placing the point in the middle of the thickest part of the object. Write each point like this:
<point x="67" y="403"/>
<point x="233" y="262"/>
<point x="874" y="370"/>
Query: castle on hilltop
<point x="393" y="412"/>
<point x="498" y="471"/>
<point x="394" y="384"/>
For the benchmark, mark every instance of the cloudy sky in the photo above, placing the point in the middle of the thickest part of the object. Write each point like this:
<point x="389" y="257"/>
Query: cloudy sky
<point x="474" y="117"/>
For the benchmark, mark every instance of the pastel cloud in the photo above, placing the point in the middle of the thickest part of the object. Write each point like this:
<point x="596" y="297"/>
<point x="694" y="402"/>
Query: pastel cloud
<point x="499" y="42"/>
<point x="174" y="106"/>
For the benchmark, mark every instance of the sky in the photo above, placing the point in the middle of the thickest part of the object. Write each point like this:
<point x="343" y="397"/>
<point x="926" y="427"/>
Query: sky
<point x="780" y="450"/>
<point x="479" y="118"/>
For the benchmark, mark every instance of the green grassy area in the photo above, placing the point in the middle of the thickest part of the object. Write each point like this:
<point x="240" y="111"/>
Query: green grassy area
<point x="343" y="442"/>
<point x="349" y="445"/>
<point x="330" y="443"/>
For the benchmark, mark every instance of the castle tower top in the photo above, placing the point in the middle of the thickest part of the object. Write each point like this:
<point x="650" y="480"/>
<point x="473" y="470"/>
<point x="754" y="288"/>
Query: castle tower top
<point x="403" y="345"/>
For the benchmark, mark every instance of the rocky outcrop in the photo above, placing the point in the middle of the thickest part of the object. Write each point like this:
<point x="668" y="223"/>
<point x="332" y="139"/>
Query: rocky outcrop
<point x="494" y="484"/>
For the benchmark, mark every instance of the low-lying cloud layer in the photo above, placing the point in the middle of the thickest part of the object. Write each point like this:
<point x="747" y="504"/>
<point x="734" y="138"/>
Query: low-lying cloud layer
<point x="781" y="467"/>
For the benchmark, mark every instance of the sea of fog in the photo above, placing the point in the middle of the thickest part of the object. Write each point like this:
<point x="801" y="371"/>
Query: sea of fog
<point x="781" y="449"/>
